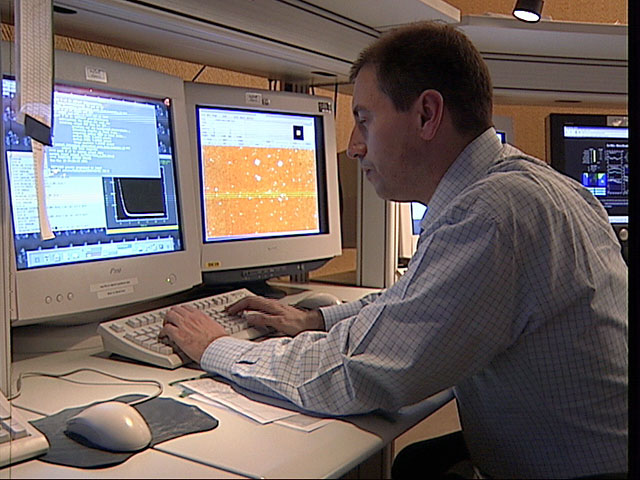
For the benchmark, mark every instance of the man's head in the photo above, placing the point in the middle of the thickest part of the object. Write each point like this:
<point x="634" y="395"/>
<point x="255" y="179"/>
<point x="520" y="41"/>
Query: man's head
<point x="421" y="94"/>
<point x="429" y="55"/>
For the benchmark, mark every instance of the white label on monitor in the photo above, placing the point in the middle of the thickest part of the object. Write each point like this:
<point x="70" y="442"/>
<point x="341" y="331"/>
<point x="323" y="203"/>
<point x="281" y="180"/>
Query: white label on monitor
<point x="114" y="285"/>
<point x="253" y="98"/>
<point x="116" y="292"/>
<point x="94" y="74"/>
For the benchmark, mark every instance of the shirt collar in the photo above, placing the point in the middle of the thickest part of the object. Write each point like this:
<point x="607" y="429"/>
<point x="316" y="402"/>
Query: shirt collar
<point x="471" y="165"/>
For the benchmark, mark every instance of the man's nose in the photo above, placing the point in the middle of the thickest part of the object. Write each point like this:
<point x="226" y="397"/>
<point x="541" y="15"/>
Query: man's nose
<point x="356" y="149"/>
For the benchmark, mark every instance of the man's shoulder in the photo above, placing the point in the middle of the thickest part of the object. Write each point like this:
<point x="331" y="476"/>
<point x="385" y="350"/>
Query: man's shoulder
<point x="515" y="162"/>
<point x="518" y="174"/>
<point x="521" y="185"/>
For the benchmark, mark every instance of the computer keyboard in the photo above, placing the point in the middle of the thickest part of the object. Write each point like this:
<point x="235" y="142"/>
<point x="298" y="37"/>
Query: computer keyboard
<point x="19" y="440"/>
<point x="136" y="336"/>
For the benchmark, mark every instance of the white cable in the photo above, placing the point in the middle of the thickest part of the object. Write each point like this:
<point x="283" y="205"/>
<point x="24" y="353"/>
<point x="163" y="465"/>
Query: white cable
<point x="123" y="381"/>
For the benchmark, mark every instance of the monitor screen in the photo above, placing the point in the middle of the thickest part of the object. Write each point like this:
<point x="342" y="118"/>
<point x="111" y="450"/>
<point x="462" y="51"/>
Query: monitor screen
<point x="417" y="212"/>
<point x="593" y="149"/>
<point x="113" y="194"/>
<point x="268" y="182"/>
<point x="260" y="174"/>
<point x="109" y="179"/>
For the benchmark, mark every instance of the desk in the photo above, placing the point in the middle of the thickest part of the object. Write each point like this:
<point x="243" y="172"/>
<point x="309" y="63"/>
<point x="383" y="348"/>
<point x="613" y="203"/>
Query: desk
<point x="148" y="464"/>
<point x="272" y="451"/>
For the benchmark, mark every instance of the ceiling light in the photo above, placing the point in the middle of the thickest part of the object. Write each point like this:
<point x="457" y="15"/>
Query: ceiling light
<point x="528" y="10"/>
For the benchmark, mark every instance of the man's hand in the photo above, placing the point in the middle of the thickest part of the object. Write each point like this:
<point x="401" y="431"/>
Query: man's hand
<point x="191" y="330"/>
<point x="260" y="311"/>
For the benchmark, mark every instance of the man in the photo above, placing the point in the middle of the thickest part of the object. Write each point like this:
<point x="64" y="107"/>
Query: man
<point x="516" y="296"/>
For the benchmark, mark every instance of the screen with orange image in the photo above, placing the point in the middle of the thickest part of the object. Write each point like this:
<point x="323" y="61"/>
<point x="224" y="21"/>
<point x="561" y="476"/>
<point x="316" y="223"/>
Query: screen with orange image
<point x="259" y="174"/>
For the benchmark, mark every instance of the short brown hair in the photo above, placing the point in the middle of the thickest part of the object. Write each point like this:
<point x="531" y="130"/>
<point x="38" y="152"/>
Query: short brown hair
<point x="430" y="55"/>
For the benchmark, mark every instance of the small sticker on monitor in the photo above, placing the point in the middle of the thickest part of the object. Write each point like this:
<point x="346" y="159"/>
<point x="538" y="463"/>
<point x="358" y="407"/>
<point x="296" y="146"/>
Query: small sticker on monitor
<point x="94" y="74"/>
<point x="113" y="284"/>
<point x="324" y="107"/>
<point x="253" y="98"/>
<point x="216" y="264"/>
<point x="115" y="292"/>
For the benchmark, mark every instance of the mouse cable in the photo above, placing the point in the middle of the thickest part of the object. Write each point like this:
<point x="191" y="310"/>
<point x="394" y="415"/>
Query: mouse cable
<point x="61" y="376"/>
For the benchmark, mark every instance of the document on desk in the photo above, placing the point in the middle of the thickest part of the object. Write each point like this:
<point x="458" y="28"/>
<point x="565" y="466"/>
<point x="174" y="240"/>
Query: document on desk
<point x="217" y="393"/>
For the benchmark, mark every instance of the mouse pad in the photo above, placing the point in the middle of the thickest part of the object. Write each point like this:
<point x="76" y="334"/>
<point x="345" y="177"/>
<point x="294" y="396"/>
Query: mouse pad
<point x="167" y="419"/>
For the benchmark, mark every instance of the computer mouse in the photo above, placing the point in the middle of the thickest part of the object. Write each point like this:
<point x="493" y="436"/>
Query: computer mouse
<point x="112" y="426"/>
<point x="317" y="300"/>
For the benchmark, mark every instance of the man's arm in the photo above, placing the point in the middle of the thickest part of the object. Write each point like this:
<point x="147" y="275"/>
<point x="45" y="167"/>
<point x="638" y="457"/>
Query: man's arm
<point x="193" y="331"/>
<point x="444" y="320"/>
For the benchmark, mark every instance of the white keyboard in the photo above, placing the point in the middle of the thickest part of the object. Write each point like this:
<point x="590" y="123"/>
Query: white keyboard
<point x="19" y="440"/>
<point x="136" y="336"/>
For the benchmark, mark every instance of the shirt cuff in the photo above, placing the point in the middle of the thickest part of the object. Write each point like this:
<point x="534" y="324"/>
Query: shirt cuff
<point x="335" y="313"/>
<point x="223" y="354"/>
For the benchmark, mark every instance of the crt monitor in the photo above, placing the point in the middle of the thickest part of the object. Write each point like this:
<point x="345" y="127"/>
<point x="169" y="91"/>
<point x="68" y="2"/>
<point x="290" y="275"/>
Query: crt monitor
<point x="118" y="192"/>
<point x="593" y="149"/>
<point x="268" y="182"/>
<point x="410" y="215"/>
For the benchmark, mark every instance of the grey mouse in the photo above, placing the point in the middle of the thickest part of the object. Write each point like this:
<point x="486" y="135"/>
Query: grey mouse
<point x="112" y="426"/>
<point x="317" y="300"/>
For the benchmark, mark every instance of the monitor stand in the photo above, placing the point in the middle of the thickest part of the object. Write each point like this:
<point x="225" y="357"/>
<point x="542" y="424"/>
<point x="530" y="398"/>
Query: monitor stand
<point x="264" y="289"/>
<point x="258" y="287"/>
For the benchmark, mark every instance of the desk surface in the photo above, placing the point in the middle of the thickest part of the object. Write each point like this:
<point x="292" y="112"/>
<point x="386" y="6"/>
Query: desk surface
<point x="148" y="464"/>
<point x="237" y="447"/>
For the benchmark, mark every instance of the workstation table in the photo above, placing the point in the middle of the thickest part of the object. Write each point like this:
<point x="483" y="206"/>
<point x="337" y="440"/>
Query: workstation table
<point x="238" y="447"/>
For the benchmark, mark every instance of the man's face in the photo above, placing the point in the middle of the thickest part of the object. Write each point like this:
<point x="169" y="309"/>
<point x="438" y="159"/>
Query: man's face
<point x="383" y="139"/>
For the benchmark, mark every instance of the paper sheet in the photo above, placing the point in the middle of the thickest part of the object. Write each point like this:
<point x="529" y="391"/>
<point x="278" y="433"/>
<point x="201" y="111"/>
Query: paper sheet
<point x="38" y="166"/>
<point x="34" y="26"/>
<point x="217" y="393"/>
<point x="223" y="394"/>
<point x="303" y="422"/>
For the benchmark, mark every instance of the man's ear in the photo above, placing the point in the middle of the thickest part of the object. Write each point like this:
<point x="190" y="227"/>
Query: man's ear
<point x="430" y="106"/>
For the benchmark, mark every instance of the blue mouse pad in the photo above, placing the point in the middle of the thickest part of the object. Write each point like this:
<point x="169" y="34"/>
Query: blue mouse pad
<point x="167" y="418"/>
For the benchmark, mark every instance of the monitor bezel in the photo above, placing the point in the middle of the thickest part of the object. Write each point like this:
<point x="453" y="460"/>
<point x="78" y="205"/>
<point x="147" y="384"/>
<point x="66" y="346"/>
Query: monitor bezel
<point x="86" y="292"/>
<point x="256" y="260"/>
